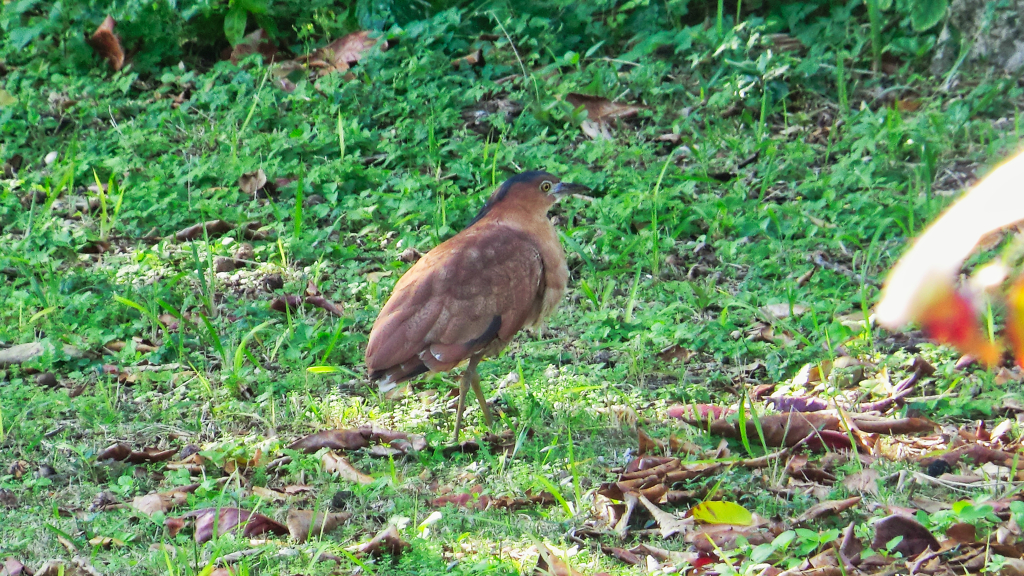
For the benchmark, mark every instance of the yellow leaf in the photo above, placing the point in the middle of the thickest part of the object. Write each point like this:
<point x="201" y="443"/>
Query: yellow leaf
<point x="719" y="512"/>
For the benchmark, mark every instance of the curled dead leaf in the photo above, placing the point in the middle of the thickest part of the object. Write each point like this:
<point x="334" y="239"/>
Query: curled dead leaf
<point x="340" y="54"/>
<point x="212" y="228"/>
<point x="305" y="523"/>
<point x="163" y="501"/>
<point x="335" y="464"/>
<point x="252" y="182"/>
<point x="252" y="43"/>
<point x="600" y="112"/>
<point x="916" y="538"/>
<point x="357" y="438"/>
<point x="387" y="541"/>
<point x="226" y="520"/>
<point x="123" y="452"/>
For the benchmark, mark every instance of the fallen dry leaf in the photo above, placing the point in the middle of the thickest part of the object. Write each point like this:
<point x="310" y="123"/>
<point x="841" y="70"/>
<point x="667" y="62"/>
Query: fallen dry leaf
<point x="335" y="464"/>
<point x="364" y="437"/>
<point x="226" y="520"/>
<point x="340" y="54"/>
<point x="387" y="541"/>
<point x="163" y="501"/>
<point x="862" y="481"/>
<point x="22" y="353"/>
<point x="827" y="508"/>
<point x="668" y="524"/>
<point x="13" y="567"/>
<point x="107" y="44"/>
<point x="600" y="111"/>
<point x="251" y="44"/>
<point x="548" y="564"/>
<point x="916" y="538"/>
<point x="122" y="452"/>
<point x="212" y="228"/>
<point x="252" y="182"/>
<point x="305" y="523"/>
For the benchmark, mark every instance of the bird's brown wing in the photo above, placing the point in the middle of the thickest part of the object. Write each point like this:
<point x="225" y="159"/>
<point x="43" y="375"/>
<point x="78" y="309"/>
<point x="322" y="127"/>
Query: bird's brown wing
<point x="480" y="286"/>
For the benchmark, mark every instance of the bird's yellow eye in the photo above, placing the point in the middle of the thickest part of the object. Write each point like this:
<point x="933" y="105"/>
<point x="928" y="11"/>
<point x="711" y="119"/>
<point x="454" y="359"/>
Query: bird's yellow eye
<point x="545" y="186"/>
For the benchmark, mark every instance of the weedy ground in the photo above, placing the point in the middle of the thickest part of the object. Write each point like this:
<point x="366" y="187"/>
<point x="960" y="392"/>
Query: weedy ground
<point x="750" y="176"/>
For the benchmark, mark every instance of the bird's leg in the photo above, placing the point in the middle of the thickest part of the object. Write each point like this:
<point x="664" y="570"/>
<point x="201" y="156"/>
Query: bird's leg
<point x="470" y="378"/>
<point x="464" y="384"/>
<point x="475" y="382"/>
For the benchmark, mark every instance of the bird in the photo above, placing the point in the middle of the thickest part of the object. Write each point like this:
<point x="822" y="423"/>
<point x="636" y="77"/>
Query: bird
<point x="468" y="297"/>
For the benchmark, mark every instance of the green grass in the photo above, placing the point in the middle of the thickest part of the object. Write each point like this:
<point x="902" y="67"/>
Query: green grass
<point x="778" y="159"/>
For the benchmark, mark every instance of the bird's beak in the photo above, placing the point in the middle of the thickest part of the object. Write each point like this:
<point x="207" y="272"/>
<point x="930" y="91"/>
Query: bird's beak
<point x="565" y="189"/>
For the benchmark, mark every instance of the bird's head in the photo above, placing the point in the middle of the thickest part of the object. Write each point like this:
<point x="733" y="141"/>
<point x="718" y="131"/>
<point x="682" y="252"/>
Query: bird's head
<point x="535" y="191"/>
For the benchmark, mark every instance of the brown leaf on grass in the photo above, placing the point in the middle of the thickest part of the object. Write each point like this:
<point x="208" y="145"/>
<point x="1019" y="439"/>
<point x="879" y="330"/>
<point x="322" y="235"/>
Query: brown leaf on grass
<point x="22" y="353"/>
<point x="340" y="54"/>
<point x="142" y="345"/>
<point x="648" y="445"/>
<point x="850" y="546"/>
<point x="10" y="167"/>
<point x="974" y="453"/>
<point x="195" y="464"/>
<point x="363" y="437"/>
<point x="781" y="429"/>
<point x="864" y="480"/>
<point x="255" y="231"/>
<point x="269" y="494"/>
<point x="668" y="524"/>
<point x="95" y="247"/>
<point x="212" y="228"/>
<point x="163" y="501"/>
<point x="79" y="566"/>
<point x="252" y="182"/>
<point x="387" y="541"/>
<point x="548" y="564"/>
<point x="478" y="117"/>
<point x="827" y="508"/>
<point x="962" y="532"/>
<point x="285" y="303"/>
<point x="122" y="452"/>
<point x="799" y="467"/>
<point x="305" y="523"/>
<point x="226" y="520"/>
<point x="107" y="44"/>
<point x="474" y="58"/>
<point x="475" y="500"/>
<point x="676" y="353"/>
<point x="708" y="538"/>
<point x="651" y="477"/>
<point x="324" y="303"/>
<point x="335" y="464"/>
<point x="893" y="425"/>
<point x="13" y="567"/>
<point x="622" y="555"/>
<point x="916" y="538"/>
<point x="600" y="111"/>
<point x="252" y="43"/>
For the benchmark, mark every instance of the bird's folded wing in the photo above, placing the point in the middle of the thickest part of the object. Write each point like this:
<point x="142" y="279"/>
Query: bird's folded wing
<point x="480" y="286"/>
